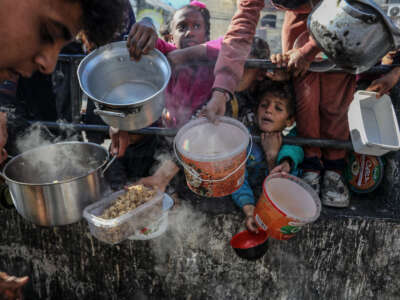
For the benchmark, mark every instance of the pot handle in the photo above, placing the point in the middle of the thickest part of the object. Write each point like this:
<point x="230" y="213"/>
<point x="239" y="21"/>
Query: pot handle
<point x="358" y="14"/>
<point x="107" y="113"/>
<point x="108" y="165"/>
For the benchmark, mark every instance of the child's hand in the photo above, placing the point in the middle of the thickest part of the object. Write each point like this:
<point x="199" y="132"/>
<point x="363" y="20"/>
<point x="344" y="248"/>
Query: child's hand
<point x="389" y="57"/>
<point x="284" y="167"/>
<point x="297" y="62"/>
<point x="215" y="107"/>
<point x="251" y="224"/>
<point x="281" y="60"/>
<point x="250" y="221"/>
<point x="11" y="287"/>
<point x="384" y="84"/>
<point x="154" y="181"/>
<point x="119" y="141"/>
<point x="142" y="38"/>
<point x="271" y="143"/>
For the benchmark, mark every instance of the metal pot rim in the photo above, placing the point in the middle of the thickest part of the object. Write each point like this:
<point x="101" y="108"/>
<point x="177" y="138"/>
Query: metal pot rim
<point x="96" y="52"/>
<point x="58" y="182"/>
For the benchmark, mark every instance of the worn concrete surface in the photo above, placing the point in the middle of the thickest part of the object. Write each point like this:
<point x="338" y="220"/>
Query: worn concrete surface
<point x="335" y="258"/>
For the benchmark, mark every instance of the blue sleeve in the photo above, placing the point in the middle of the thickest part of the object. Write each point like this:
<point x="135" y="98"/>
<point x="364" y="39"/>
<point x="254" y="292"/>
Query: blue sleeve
<point x="244" y="195"/>
<point x="295" y="153"/>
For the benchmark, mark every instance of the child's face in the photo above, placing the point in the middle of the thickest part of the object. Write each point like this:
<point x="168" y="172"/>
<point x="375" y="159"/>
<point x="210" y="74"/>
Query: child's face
<point x="272" y="114"/>
<point x="188" y="28"/>
<point x="249" y="76"/>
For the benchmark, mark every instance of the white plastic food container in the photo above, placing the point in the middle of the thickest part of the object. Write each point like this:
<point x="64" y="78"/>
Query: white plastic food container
<point x="158" y="227"/>
<point x="114" y="231"/>
<point x="373" y="124"/>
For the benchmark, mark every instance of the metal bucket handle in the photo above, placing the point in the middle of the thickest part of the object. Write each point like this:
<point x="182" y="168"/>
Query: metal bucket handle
<point x="194" y="173"/>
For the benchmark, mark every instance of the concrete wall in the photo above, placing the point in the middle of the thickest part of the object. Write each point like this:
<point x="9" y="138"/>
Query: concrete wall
<point x="336" y="258"/>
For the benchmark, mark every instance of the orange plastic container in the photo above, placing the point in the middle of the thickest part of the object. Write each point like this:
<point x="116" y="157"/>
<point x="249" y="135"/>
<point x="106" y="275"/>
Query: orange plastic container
<point x="286" y="204"/>
<point x="213" y="156"/>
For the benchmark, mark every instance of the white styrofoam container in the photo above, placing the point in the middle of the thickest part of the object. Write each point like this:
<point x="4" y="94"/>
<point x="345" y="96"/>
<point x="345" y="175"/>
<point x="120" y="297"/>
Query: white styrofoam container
<point x="373" y="124"/>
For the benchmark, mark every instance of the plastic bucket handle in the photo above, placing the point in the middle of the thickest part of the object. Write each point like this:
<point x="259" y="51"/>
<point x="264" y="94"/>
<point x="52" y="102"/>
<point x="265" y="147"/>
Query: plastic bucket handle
<point x="193" y="173"/>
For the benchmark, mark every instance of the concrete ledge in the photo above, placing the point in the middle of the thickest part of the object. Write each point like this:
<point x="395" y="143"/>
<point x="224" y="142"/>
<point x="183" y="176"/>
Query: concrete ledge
<point x="335" y="258"/>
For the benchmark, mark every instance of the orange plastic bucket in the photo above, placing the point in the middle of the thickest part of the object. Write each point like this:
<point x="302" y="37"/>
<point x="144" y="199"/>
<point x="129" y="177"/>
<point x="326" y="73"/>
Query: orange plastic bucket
<point x="213" y="156"/>
<point x="286" y="204"/>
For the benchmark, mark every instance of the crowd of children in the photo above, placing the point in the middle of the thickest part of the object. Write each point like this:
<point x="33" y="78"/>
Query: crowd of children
<point x="270" y="104"/>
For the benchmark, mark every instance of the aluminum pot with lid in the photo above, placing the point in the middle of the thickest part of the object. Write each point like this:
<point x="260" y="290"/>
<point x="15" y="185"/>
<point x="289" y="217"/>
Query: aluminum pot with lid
<point x="354" y="34"/>
<point x="51" y="185"/>
<point x="129" y="94"/>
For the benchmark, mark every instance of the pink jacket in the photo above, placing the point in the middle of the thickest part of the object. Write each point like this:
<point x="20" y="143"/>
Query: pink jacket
<point x="189" y="87"/>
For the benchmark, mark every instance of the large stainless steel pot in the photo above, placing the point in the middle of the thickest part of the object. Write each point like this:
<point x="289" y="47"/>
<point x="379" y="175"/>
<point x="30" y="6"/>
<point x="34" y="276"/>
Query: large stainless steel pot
<point x="52" y="184"/>
<point x="354" y="34"/>
<point x="130" y="94"/>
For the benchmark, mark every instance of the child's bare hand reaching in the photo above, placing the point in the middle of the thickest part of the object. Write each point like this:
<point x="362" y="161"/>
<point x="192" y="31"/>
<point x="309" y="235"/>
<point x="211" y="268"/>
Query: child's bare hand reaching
<point x="271" y="143"/>
<point x="384" y="84"/>
<point x="284" y="167"/>
<point x="297" y="63"/>
<point x="250" y="221"/>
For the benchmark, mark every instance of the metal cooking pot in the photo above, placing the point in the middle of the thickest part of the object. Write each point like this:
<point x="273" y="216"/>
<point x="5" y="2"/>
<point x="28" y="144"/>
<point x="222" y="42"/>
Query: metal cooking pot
<point x="130" y="118"/>
<point x="354" y="34"/>
<point x="130" y="94"/>
<point x="51" y="185"/>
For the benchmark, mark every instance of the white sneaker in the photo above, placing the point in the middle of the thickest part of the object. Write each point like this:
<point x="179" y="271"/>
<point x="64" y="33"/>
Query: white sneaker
<point x="312" y="179"/>
<point x="334" y="191"/>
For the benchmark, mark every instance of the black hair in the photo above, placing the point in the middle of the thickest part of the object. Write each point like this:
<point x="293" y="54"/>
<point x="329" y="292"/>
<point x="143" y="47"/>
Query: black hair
<point x="102" y="18"/>
<point x="259" y="49"/>
<point x="164" y="30"/>
<point x="280" y="89"/>
<point x="202" y="10"/>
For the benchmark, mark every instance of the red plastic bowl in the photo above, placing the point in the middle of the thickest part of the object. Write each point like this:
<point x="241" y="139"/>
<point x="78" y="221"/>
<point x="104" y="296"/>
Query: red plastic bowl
<point x="250" y="245"/>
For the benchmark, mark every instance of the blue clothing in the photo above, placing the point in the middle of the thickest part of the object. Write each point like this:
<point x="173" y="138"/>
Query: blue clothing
<point x="257" y="170"/>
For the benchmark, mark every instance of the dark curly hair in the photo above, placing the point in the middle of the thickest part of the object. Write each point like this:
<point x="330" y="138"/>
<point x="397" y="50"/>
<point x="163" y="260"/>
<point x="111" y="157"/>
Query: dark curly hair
<point x="102" y="18"/>
<point x="203" y="11"/>
<point x="280" y="89"/>
<point x="259" y="49"/>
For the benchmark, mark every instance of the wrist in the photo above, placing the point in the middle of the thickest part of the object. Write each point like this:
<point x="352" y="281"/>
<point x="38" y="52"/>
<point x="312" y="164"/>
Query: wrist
<point x="248" y="210"/>
<point x="270" y="156"/>
<point x="396" y="72"/>
<point x="228" y="95"/>
<point x="167" y="171"/>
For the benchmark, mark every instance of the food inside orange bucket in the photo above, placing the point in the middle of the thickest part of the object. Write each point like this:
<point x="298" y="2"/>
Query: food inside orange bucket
<point x="213" y="156"/>
<point x="286" y="204"/>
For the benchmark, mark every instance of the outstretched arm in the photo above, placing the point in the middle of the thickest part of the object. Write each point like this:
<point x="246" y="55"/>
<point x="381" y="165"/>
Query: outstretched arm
<point x="234" y="52"/>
